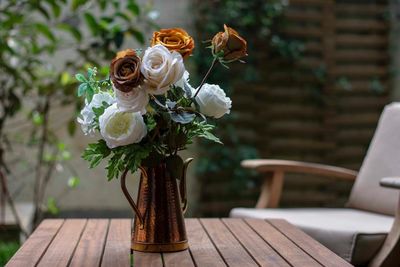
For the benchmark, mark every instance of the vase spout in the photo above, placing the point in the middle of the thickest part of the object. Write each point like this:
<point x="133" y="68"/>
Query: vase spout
<point x="182" y="185"/>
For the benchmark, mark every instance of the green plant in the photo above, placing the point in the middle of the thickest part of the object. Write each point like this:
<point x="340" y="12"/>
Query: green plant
<point x="32" y="35"/>
<point x="7" y="250"/>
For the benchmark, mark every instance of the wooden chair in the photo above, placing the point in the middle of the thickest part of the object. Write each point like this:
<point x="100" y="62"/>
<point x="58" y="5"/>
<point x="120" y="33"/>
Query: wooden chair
<point x="367" y="231"/>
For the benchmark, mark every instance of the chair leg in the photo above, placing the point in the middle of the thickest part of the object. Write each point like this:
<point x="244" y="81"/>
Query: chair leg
<point x="271" y="190"/>
<point x="389" y="255"/>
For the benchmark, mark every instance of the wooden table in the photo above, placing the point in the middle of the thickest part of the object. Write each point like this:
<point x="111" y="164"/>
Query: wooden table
<point x="213" y="242"/>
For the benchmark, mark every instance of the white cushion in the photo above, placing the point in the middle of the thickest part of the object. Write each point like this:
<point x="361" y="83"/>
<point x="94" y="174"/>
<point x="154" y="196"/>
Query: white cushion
<point x="382" y="160"/>
<point x="352" y="234"/>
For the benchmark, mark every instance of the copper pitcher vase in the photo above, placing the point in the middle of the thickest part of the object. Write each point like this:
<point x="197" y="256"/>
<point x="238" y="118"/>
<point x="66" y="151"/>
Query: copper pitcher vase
<point x="159" y="225"/>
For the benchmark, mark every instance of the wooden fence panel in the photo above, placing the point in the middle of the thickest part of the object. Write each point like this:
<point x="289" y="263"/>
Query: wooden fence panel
<point x="325" y="110"/>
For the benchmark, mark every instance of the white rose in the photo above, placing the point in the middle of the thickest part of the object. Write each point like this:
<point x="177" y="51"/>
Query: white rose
<point x="134" y="101"/>
<point x="161" y="68"/>
<point x="185" y="81"/>
<point x="120" y="128"/>
<point x="213" y="101"/>
<point x="86" y="119"/>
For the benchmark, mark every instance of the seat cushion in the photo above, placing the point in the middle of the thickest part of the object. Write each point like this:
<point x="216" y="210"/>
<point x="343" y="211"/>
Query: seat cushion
<point x="354" y="235"/>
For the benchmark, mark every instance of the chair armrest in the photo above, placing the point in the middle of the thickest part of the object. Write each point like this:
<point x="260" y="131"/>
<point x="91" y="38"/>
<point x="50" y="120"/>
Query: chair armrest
<point x="272" y="165"/>
<point x="391" y="182"/>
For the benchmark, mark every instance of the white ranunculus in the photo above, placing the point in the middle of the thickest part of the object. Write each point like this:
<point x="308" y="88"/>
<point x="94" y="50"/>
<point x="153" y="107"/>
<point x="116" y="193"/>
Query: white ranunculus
<point x="161" y="68"/>
<point x="134" y="101"/>
<point x="87" y="116"/>
<point x="213" y="101"/>
<point x="120" y="128"/>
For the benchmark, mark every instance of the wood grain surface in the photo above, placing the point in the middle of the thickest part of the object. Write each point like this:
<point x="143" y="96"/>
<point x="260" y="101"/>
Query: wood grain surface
<point x="213" y="243"/>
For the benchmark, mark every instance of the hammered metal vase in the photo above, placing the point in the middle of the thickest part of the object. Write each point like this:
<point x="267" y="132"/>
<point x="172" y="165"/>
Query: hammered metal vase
<point x="159" y="224"/>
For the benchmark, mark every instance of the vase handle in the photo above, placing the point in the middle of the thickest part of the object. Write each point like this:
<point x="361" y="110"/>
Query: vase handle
<point x="128" y="196"/>
<point x="182" y="185"/>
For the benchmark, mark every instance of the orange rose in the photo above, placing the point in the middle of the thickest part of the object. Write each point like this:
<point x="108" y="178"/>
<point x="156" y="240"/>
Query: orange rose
<point x="175" y="39"/>
<point x="229" y="45"/>
<point x="125" y="70"/>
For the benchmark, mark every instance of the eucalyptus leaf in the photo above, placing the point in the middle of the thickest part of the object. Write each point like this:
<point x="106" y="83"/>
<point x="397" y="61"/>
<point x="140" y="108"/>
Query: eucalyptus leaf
<point x="80" y="78"/>
<point x="170" y="104"/>
<point x="188" y="90"/>
<point x="182" y="117"/>
<point x="82" y="89"/>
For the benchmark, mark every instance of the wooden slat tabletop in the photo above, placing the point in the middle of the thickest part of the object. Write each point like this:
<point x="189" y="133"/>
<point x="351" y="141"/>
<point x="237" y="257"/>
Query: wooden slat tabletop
<point x="213" y="242"/>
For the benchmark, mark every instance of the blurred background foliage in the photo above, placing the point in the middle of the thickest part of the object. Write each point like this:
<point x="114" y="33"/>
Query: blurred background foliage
<point x="43" y="42"/>
<point x="258" y="22"/>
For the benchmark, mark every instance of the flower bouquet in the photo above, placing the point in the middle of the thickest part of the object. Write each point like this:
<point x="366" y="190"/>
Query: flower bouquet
<point x="146" y="112"/>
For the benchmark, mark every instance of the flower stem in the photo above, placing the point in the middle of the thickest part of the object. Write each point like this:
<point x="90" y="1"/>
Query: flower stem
<point x="205" y="77"/>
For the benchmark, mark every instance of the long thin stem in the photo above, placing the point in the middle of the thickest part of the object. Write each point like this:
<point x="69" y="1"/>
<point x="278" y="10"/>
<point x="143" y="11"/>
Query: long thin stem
<point x="3" y="182"/>
<point x="205" y="77"/>
<point x="39" y="164"/>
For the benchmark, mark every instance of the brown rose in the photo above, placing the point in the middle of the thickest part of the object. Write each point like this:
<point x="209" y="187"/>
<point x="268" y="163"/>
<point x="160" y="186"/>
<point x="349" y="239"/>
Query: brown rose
<point x="230" y="43"/>
<point x="125" y="70"/>
<point x="175" y="39"/>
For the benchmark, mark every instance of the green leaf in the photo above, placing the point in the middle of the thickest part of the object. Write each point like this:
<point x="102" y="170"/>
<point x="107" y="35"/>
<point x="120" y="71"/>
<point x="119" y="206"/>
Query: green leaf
<point x="73" y="182"/>
<point x="66" y="155"/>
<point x="118" y="39"/>
<point x="133" y="7"/>
<point x="52" y="206"/>
<point x="91" y="73"/>
<point x="71" y="127"/>
<point x="99" y="111"/>
<point x="61" y="146"/>
<point x="45" y="31"/>
<point x="55" y="8"/>
<point x="96" y="152"/>
<point x="209" y="136"/>
<point x="103" y="4"/>
<point x="65" y="78"/>
<point x="89" y="93"/>
<point x="138" y="35"/>
<point x="71" y="30"/>
<point x="123" y="16"/>
<point x="37" y="118"/>
<point x="77" y="3"/>
<point x="80" y="78"/>
<point x="82" y="89"/>
<point x="150" y="123"/>
<point x="43" y="11"/>
<point x="91" y="23"/>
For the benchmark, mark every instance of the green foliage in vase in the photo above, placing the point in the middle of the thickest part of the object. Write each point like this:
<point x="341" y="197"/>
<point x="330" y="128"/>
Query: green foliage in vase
<point x="171" y="127"/>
